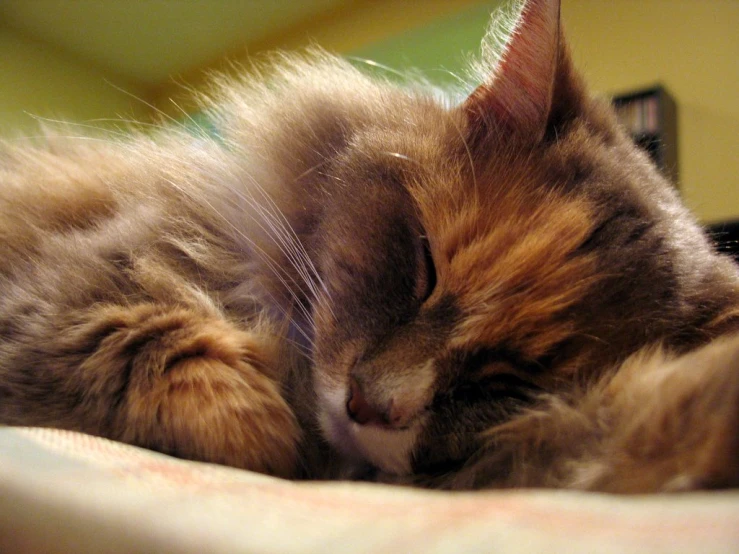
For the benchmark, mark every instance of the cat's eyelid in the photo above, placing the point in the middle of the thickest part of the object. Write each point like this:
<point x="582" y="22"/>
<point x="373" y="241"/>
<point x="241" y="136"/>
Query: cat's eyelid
<point x="503" y="378"/>
<point x="426" y="275"/>
<point x="488" y="362"/>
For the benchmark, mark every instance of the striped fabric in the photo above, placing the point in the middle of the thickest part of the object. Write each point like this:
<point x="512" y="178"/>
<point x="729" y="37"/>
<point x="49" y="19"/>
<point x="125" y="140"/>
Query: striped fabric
<point x="69" y="492"/>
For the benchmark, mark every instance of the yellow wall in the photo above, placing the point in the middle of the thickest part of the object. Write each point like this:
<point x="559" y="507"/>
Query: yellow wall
<point x="692" y="47"/>
<point x="35" y="79"/>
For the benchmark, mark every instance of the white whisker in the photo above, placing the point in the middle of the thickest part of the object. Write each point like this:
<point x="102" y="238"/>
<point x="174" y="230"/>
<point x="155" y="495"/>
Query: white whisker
<point x="373" y="63"/>
<point x="400" y="156"/>
<point x="469" y="158"/>
<point x="311" y="170"/>
<point x="201" y="130"/>
<point x="145" y="103"/>
<point x="290" y="240"/>
<point x="283" y="242"/>
<point x="266" y="258"/>
<point x="77" y="124"/>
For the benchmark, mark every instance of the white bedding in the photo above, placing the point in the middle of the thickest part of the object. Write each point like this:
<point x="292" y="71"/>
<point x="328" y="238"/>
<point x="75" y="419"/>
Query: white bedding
<point x="68" y="492"/>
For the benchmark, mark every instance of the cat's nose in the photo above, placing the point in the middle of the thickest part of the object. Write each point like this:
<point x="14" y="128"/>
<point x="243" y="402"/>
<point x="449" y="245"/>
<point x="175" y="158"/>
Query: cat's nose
<point x="359" y="409"/>
<point x="364" y="412"/>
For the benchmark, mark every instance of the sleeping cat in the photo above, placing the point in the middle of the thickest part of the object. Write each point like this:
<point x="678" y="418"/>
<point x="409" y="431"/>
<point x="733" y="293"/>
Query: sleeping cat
<point x="354" y="279"/>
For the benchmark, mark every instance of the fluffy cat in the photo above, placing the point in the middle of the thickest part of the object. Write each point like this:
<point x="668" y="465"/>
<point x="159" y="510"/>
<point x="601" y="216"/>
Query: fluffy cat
<point x="352" y="274"/>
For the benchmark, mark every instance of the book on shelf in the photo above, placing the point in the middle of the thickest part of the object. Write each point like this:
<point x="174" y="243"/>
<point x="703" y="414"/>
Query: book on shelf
<point x="650" y="116"/>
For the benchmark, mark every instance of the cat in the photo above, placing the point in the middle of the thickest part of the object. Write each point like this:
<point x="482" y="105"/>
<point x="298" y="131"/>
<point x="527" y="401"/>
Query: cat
<point x="353" y="279"/>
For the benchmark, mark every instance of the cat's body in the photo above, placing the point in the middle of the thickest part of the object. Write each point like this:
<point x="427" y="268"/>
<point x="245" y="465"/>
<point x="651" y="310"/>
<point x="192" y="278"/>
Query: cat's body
<point x="495" y="294"/>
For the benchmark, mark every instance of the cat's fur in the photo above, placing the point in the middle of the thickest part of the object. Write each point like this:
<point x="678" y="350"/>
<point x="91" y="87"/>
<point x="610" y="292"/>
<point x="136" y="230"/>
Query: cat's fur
<point x="500" y="293"/>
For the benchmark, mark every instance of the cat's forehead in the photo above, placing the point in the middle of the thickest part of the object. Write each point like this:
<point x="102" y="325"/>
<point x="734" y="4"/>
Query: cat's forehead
<point x="416" y="133"/>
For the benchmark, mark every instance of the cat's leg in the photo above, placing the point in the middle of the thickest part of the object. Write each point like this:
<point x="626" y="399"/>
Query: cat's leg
<point x="657" y="423"/>
<point x="673" y="423"/>
<point x="177" y="381"/>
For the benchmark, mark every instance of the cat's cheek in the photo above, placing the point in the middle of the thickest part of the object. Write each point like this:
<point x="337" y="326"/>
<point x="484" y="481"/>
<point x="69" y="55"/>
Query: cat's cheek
<point x="334" y="425"/>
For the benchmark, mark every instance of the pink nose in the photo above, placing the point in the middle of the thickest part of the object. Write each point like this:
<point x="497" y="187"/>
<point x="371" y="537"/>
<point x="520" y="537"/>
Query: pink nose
<point x="359" y="409"/>
<point x="364" y="412"/>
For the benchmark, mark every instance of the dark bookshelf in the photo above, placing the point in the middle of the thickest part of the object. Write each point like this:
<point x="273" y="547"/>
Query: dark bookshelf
<point x="725" y="235"/>
<point x="650" y="115"/>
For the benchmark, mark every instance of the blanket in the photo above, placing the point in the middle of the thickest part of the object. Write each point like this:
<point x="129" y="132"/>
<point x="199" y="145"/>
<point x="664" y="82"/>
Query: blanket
<point x="69" y="492"/>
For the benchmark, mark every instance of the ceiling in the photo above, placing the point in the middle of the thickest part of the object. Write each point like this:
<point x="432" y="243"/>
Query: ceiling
<point x="147" y="41"/>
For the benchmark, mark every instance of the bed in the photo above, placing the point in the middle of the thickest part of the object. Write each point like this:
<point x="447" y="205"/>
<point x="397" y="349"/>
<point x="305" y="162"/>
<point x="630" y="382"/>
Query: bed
<point x="69" y="492"/>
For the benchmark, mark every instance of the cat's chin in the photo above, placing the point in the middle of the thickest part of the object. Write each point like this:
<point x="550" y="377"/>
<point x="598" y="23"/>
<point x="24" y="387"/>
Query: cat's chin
<point x="386" y="449"/>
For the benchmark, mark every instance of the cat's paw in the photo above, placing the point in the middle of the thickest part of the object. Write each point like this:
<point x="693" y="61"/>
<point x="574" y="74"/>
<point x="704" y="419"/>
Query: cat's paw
<point x="675" y="423"/>
<point x="193" y="386"/>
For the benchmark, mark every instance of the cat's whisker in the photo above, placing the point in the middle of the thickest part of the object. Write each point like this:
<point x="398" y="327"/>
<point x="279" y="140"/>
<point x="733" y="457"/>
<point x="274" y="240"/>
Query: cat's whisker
<point x="46" y="137"/>
<point x="305" y="351"/>
<point x="289" y="243"/>
<point x="294" y="325"/>
<point x="290" y="247"/>
<point x="402" y="157"/>
<point x="298" y="248"/>
<point x="373" y="63"/>
<point x="470" y="159"/>
<point x="77" y="124"/>
<point x="177" y="123"/>
<point x="311" y="169"/>
<point x="446" y="71"/>
<point x="271" y="263"/>
<point x="275" y="268"/>
<point x="302" y="348"/>
<point x="132" y="122"/>
<point x="202" y="132"/>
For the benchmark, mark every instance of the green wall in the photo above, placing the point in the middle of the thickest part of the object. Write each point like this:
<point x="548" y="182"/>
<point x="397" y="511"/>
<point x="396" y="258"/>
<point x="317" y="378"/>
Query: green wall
<point x="439" y="51"/>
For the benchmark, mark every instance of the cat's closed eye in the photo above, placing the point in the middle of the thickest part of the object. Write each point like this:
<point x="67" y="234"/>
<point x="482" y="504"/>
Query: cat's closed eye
<point x="426" y="273"/>
<point x="492" y="387"/>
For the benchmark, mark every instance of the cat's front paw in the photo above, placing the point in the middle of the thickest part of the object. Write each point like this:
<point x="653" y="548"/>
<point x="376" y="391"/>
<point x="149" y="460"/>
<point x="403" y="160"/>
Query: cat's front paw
<point x="193" y="386"/>
<point x="675" y="423"/>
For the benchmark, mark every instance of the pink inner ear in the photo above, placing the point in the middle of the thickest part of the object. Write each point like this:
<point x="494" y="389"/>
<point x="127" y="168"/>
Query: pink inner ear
<point x="517" y="95"/>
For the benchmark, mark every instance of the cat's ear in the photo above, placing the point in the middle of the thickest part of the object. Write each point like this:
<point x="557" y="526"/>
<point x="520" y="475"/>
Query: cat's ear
<point x="519" y="72"/>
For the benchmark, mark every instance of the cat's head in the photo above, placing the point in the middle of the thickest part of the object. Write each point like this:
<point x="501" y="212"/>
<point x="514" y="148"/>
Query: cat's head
<point x="468" y="257"/>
